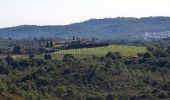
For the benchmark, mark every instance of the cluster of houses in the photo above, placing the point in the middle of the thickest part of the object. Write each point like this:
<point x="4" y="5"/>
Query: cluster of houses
<point x="76" y="44"/>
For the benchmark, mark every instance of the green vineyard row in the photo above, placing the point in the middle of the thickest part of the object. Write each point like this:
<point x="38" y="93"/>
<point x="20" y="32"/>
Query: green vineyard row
<point x="124" y="50"/>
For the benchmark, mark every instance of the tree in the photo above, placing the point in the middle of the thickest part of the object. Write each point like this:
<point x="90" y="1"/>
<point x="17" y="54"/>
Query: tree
<point x="17" y="50"/>
<point x="152" y="48"/>
<point x="73" y="38"/>
<point x="109" y="97"/>
<point x="31" y="56"/>
<point x="47" y="57"/>
<point x="156" y="50"/>
<point x="140" y="54"/>
<point x="47" y="44"/>
<point x="114" y="55"/>
<point x="68" y="58"/>
<point x="108" y="63"/>
<point x="168" y="49"/>
<point x="1" y="51"/>
<point x="8" y="59"/>
<point x="42" y="50"/>
<point x="147" y="55"/>
<point x="51" y="43"/>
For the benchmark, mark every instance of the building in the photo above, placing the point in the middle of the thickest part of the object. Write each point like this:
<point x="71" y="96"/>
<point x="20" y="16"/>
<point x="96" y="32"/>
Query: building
<point x="76" y="44"/>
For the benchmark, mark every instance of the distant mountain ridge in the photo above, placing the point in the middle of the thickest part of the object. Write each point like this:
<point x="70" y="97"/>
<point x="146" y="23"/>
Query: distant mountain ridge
<point x="108" y="28"/>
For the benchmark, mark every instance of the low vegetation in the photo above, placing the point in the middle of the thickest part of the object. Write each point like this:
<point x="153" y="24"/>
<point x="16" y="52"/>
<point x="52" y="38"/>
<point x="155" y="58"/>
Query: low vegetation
<point x="107" y="77"/>
<point x="124" y="50"/>
<point x="117" y="72"/>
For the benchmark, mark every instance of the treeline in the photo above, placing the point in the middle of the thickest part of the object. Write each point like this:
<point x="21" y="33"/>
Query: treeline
<point x="126" y="42"/>
<point x="10" y="46"/>
<point x="36" y="46"/>
<point x="22" y="50"/>
<point x="163" y="43"/>
<point x="109" y="77"/>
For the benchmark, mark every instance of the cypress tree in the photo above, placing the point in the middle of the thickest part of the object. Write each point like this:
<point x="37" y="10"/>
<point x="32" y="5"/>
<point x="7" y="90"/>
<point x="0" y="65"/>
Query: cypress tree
<point x="51" y="43"/>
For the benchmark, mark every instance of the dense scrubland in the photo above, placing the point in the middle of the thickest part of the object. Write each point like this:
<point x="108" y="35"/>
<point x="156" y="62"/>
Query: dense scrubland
<point x="107" y="77"/>
<point x="127" y="70"/>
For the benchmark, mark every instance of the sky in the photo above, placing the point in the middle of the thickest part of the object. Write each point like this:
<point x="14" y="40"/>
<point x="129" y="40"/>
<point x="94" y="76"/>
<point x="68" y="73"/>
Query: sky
<point x="62" y="12"/>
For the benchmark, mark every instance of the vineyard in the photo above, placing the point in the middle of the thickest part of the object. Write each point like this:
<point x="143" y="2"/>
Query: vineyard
<point x="124" y="50"/>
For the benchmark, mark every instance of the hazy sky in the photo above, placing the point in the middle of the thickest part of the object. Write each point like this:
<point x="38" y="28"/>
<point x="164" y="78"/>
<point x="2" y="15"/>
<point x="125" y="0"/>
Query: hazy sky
<point x="56" y="12"/>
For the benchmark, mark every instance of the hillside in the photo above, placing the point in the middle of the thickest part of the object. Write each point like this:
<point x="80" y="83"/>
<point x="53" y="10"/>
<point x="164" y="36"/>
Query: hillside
<point x="127" y="51"/>
<point x="131" y="28"/>
<point x="107" y="77"/>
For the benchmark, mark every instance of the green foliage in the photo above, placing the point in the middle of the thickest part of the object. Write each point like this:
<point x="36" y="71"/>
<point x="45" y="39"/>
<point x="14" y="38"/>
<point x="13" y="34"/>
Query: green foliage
<point x="147" y="55"/>
<point x="68" y="58"/>
<point x="108" y="77"/>
<point x="16" y="50"/>
<point x="31" y="56"/>
<point x="123" y="50"/>
<point x="9" y="59"/>
<point x="115" y="55"/>
<point x="49" y="44"/>
<point x="47" y="57"/>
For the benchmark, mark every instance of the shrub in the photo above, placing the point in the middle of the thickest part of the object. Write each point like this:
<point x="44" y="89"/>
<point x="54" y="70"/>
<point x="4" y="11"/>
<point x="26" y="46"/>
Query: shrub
<point x="162" y="95"/>
<point x="147" y="55"/>
<point x="109" y="97"/>
<point x="9" y="59"/>
<point x="17" y="50"/>
<point x="47" y="57"/>
<point x="114" y="55"/>
<point x="68" y="58"/>
<point x="31" y="56"/>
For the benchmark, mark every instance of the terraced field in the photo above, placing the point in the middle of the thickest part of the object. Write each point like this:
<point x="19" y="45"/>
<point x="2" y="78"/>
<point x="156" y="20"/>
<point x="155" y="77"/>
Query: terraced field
<point x="124" y="50"/>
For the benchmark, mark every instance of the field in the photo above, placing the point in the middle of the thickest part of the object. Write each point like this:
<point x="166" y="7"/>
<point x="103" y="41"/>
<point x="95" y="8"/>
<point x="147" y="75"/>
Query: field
<point x="124" y="50"/>
<point x="127" y="51"/>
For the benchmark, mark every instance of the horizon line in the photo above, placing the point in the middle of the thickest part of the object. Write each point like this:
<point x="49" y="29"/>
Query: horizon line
<point x="80" y="21"/>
